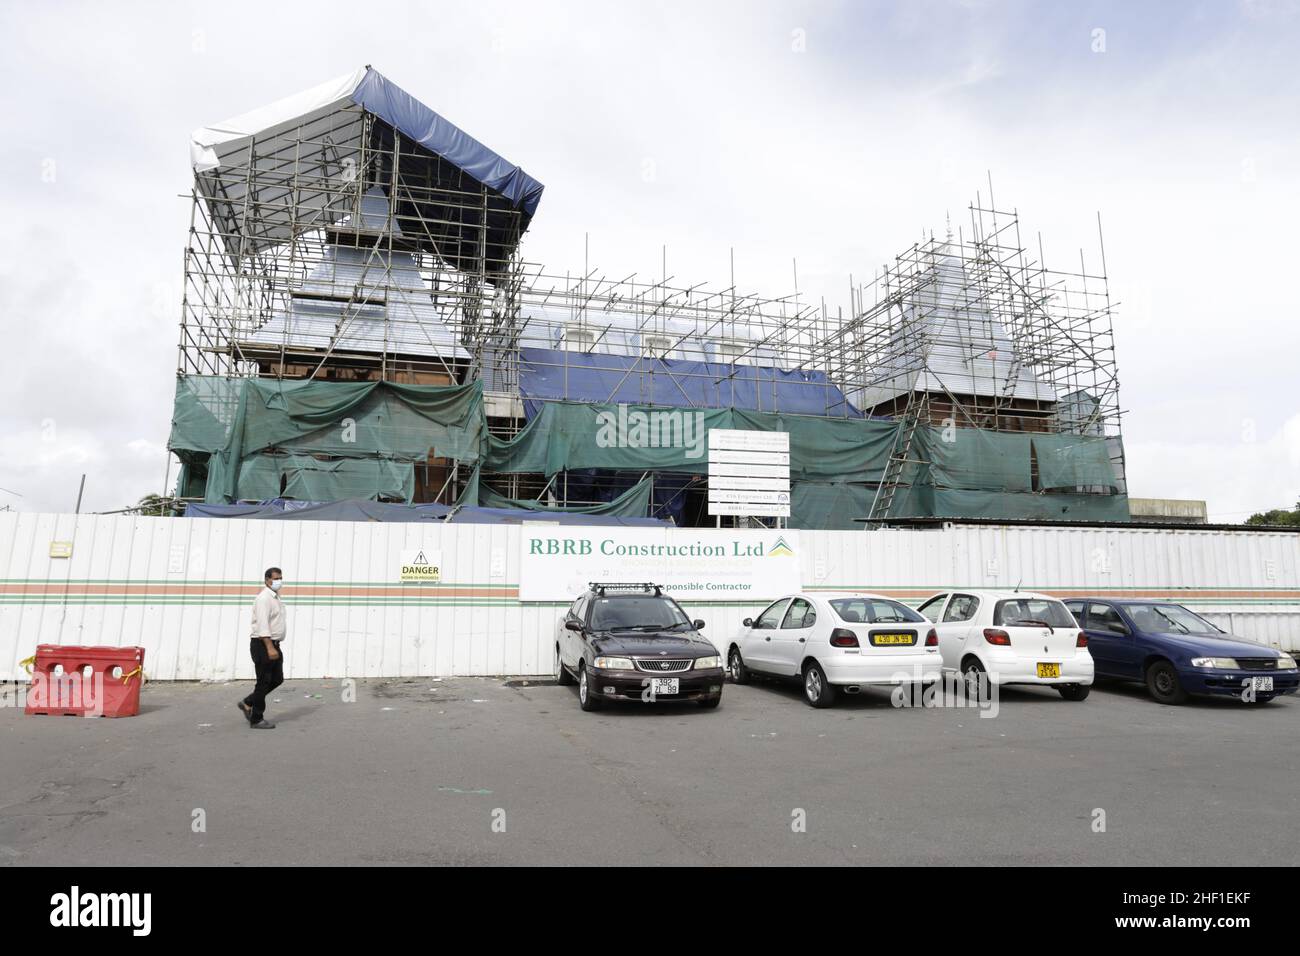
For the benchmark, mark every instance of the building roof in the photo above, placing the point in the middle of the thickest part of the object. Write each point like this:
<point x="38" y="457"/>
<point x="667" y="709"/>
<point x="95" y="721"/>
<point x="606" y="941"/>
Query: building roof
<point x="225" y="142"/>
<point x="303" y="147"/>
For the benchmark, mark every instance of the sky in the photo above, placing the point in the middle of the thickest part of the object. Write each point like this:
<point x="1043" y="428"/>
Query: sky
<point x="831" y="134"/>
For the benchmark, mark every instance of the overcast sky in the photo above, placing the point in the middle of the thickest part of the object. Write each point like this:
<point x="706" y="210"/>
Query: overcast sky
<point x="830" y="133"/>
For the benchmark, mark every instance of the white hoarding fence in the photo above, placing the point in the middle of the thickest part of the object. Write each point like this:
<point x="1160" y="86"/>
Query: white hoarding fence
<point x="182" y="588"/>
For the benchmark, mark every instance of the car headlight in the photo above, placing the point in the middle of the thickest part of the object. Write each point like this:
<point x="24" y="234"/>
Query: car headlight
<point x="1222" y="663"/>
<point x="705" y="663"/>
<point x="613" y="663"/>
<point x="1286" y="663"/>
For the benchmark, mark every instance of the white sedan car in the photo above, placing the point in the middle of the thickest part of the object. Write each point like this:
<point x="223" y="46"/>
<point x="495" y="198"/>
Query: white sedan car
<point x="836" y="642"/>
<point x="1011" y="637"/>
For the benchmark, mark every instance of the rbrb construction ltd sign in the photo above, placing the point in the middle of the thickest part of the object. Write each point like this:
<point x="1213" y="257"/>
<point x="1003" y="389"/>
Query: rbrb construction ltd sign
<point x="557" y="564"/>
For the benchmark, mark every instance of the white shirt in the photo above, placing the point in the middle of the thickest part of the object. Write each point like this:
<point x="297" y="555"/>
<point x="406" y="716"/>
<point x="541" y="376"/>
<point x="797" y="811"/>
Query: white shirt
<point x="268" y="615"/>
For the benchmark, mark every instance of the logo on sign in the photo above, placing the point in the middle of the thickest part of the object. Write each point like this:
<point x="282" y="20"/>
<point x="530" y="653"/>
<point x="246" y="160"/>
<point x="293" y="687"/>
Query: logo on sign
<point x="780" y="550"/>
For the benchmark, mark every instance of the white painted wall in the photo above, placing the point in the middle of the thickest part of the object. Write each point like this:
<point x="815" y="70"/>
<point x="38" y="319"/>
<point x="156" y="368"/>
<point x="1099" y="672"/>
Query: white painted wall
<point x="181" y="588"/>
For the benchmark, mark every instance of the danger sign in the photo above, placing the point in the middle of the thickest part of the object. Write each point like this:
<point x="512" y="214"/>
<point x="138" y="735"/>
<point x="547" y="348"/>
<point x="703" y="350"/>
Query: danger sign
<point x="421" y="565"/>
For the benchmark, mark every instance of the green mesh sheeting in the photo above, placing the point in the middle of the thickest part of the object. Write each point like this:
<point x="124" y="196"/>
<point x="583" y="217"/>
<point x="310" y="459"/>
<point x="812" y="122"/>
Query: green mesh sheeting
<point x="830" y="506"/>
<point x="390" y="426"/>
<point x="633" y="503"/>
<point x="1073" y="461"/>
<point x="976" y="459"/>
<point x="573" y="435"/>
<point x="972" y="473"/>
<point x="309" y="479"/>
<point x="1050" y="507"/>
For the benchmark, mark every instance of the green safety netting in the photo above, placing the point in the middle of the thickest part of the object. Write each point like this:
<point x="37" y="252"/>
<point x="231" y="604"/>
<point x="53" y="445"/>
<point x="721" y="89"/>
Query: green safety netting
<point x="306" y="478"/>
<point x="260" y="438"/>
<point x="949" y="502"/>
<point x="633" y="503"/>
<point x="830" y="506"/>
<point x="976" y="459"/>
<point x="230" y="421"/>
<point x="1073" y="461"/>
<point x="574" y="435"/>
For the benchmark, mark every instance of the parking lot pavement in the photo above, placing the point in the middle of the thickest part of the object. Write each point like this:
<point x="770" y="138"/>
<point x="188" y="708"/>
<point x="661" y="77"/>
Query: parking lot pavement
<point x="418" y="771"/>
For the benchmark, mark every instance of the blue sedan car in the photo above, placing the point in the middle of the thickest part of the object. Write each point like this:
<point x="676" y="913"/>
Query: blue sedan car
<point x="1177" y="653"/>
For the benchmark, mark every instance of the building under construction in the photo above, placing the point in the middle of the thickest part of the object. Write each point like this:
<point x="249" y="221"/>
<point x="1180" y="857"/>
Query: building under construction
<point x="359" y="321"/>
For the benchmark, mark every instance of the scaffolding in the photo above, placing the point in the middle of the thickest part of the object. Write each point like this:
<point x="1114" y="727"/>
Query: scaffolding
<point x="974" y="331"/>
<point x="335" y="247"/>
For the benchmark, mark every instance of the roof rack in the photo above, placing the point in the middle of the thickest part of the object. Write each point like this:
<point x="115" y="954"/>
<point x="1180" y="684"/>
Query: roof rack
<point x="601" y="588"/>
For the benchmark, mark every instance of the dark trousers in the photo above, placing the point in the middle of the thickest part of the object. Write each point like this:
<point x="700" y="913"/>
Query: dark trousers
<point x="270" y="675"/>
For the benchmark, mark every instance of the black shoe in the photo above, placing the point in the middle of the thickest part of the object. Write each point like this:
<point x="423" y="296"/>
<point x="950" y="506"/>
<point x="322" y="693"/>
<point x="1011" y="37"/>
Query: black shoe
<point x="243" y="709"/>
<point x="262" y="725"/>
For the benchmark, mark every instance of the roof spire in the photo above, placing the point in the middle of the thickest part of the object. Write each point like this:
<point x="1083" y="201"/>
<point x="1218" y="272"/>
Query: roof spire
<point x="948" y="218"/>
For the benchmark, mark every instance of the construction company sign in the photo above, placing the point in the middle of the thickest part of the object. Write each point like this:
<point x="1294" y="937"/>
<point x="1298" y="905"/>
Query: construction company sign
<point x="420" y="564"/>
<point x="557" y="563"/>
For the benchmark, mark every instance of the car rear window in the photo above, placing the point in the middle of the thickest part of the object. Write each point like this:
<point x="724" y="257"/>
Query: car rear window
<point x="1031" y="611"/>
<point x="612" y="613"/>
<point x="874" y="611"/>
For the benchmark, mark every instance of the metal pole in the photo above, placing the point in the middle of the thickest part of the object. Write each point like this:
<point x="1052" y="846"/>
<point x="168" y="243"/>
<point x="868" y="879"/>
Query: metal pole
<point x="79" y="493"/>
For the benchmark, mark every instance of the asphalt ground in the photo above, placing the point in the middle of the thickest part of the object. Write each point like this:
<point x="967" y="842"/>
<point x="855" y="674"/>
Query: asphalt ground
<point x="496" y="771"/>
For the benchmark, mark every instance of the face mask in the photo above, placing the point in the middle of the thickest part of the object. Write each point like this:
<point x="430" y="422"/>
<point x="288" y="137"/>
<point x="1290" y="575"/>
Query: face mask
<point x="275" y="585"/>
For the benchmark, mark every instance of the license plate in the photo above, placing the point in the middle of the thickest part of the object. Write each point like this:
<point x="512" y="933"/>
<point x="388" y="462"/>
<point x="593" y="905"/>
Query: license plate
<point x="893" y="640"/>
<point x="1049" y="670"/>
<point x="1261" y="683"/>
<point x="663" y="685"/>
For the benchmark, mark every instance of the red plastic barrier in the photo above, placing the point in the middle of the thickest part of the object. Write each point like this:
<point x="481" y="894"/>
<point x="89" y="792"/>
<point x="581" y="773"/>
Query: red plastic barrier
<point x="86" y="681"/>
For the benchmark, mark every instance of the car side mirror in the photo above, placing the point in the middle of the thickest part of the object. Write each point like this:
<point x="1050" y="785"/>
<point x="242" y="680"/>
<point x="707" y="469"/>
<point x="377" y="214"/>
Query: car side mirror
<point x="699" y="625"/>
<point x="573" y="625"/>
<point x="747" y="622"/>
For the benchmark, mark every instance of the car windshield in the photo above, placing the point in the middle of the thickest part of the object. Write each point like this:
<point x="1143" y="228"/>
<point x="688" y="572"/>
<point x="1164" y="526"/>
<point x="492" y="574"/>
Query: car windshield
<point x="636" y="613"/>
<point x="1028" y="612"/>
<point x="1169" y="619"/>
<point x="874" y="611"/>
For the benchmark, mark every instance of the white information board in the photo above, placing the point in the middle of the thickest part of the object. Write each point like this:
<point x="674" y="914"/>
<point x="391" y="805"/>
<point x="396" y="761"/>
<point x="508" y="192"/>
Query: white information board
<point x="749" y="473"/>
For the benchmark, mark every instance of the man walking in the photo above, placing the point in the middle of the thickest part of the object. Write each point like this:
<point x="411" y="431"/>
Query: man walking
<point x="264" y="645"/>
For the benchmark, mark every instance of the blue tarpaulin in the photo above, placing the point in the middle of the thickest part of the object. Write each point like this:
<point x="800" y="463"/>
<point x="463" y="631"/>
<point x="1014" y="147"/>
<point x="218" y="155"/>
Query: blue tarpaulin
<point x="402" y="111"/>
<point x="554" y="374"/>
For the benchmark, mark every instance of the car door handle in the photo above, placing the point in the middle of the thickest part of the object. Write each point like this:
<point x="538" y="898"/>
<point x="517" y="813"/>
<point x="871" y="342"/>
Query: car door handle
<point x="802" y="639"/>
<point x="767" y="638"/>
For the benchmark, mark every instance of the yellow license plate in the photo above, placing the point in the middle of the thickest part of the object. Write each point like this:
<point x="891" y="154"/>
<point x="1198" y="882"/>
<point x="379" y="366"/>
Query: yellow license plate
<point x="1049" y="670"/>
<point x="892" y="640"/>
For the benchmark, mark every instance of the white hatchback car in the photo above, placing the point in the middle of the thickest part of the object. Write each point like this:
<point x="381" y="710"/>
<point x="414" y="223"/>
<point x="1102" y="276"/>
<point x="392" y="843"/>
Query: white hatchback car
<point x="836" y="642"/>
<point x="1012" y="637"/>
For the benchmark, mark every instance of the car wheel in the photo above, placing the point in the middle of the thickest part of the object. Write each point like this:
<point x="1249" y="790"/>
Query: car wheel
<point x="587" y="698"/>
<point x="817" y="690"/>
<point x="736" y="668"/>
<point x="1163" y="683"/>
<point x="562" y="675"/>
<point x="1073" y="691"/>
<point x="711" y="703"/>
<point x="976" y="678"/>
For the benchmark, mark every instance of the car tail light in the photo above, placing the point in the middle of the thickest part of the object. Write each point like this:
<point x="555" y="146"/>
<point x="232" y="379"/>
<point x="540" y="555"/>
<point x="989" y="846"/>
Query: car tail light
<point x="995" y="635"/>
<point x="843" y="637"/>
<point x="1082" y="640"/>
<point x="932" y="639"/>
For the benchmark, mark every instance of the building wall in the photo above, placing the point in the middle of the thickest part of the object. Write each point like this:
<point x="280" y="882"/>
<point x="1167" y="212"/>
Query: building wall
<point x="182" y="588"/>
<point x="1168" y="509"/>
